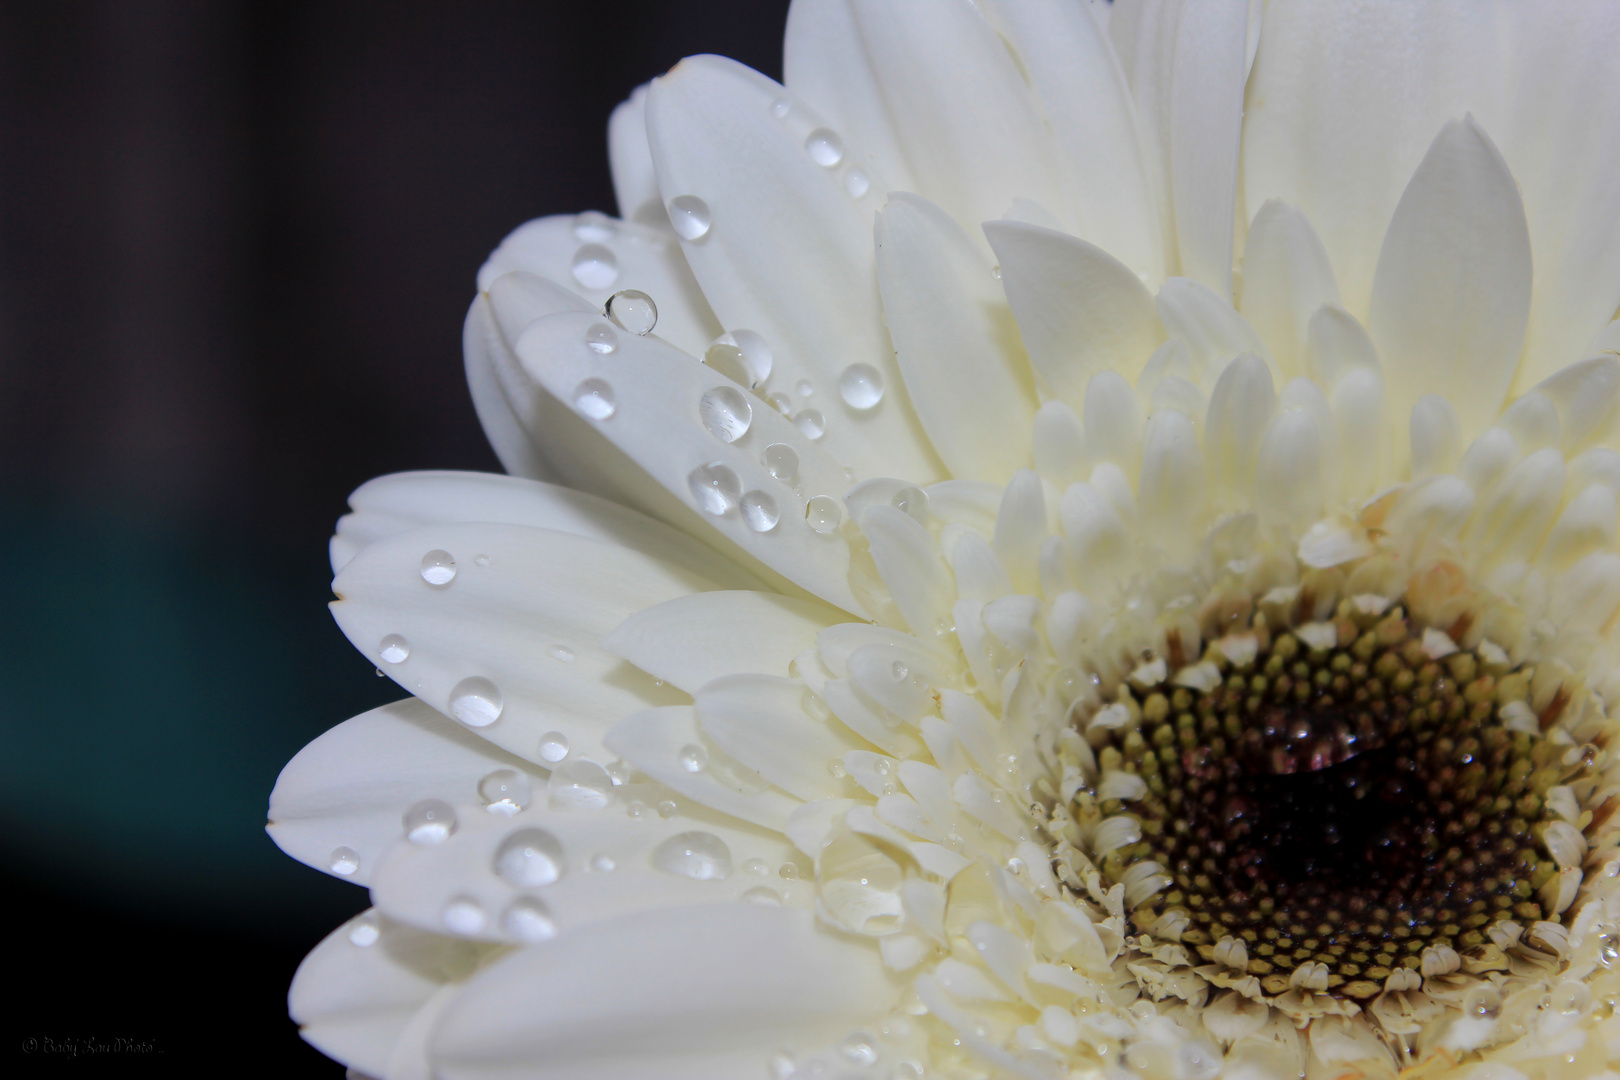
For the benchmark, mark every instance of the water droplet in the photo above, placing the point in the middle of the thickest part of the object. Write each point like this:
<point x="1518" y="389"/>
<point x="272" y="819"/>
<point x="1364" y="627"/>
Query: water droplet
<point x="464" y="915"/>
<point x="529" y="920"/>
<point x="857" y="183"/>
<point x="913" y="501"/>
<point x="579" y="784"/>
<point x="728" y="360"/>
<point x="430" y="821"/>
<point x="438" y="568"/>
<point x="505" y="791"/>
<point x="594" y="228"/>
<point x="899" y="670"/>
<point x="618" y="771"/>
<point x="779" y="401"/>
<point x="860" y="1048"/>
<point x="343" y="861"/>
<point x="908" y="1070"/>
<point x="759" y="511"/>
<point x="553" y="746"/>
<point x="596" y="267"/>
<point x="694" y="758"/>
<point x="810" y="422"/>
<point x="480" y="560"/>
<point x="788" y="871"/>
<point x="826" y="148"/>
<point x="563" y="653"/>
<point x="715" y="487"/>
<point x="861" y="386"/>
<point x="381" y="674"/>
<point x="882" y="767"/>
<point x="781" y="107"/>
<point x="602" y="863"/>
<point x="995" y="272"/>
<point x="601" y="339"/>
<point x="823" y="514"/>
<point x="667" y="808"/>
<point x="690" y="216"/>
<point x="364" y="931"/>
<point x="1482" y="1002"/>
<point x="700" y="856"/>
<point x="836" y="770"/>
<point x="530" y="858"/>
<point x="781" y="1066"/>
<point x="476" y="702"/>
<point x="636" y="809"/>
<point x="757" y="867"/>
<point x="632" y="310"/>
<point x="1609" y="949"/>
<point x="781" y="461"/>
<point x="804" y="388"/>
<point x="394" y="649"/>
<point x="762" y="896"/>
<point x="726" y="413"/>
<point x="594" y="398"/>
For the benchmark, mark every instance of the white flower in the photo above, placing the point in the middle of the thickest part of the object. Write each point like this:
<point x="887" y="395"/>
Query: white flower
<point x="1054" y="632"/>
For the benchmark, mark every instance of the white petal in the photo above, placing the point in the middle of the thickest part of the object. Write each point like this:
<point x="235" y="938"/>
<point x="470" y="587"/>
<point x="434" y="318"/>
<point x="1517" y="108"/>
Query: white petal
<point x="1452" y="290"/>
<point x="1586" y="596"/>
<point x="501" y="417"/>
<point x="1288" y="475"/>
<point x="1591" y="522"/>
<point x="1336" y="344"/>
<point x="1436" y="436"/>
<point x="1519" y="509"/>
<point x="714" y="138"/>
<point x="908" y="559"/>
<point x="1080" y="310"/>
<point x="1211" y="327"/>
<point x="696" y="994"/>
<point x="350" y="788"/>
<point x="635" y="183"/>
<point x="761" y="721"/>
<point x="1587" y="396"/>
<point x="1020" y="528"/>
<point x="1286" y="278"/>
<point x="1173" y="492"/>
<point x="957" y="347"/>
<point x="1059" y="443"/>
<point x="1358" y="408"/>
<point x="1113" y="421"/>
<point x="1239" y="409"/>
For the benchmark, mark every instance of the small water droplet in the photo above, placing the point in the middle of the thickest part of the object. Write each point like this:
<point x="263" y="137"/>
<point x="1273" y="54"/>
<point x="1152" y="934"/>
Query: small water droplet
<point x="823" y="514"/>
<point x="995" y="271"/>
<point x="364" y="931"/>
<point x="594" y="398"/>
<point x="726" y="413"/>
<point x="464" y="915"/>
<point x="763" y="896"/>
<point x="381" y="674"/>
<point x="595" y="266"/>
<point x="394" y="649"/>
<point x="700" y="856"/>
<point x="602" y="863"/>
<point x="531" y="857"/>
<point x="781" y="461"/>
<point x="757" y="867"/>
<point x="860" y="1048"/>
<point x="826" y="148"/>
<point x="836" y="770"/>
<point x="667" y="808"/>
<point x="1609" y="949"/>
<point x="694" y="758"/>
<point x="690" y="216"/>
<point x="618" y="771"/>
<point x="1483" y="1002"/>
<point x="636" y="809"/>
<point x="438" y="568"/>
<point x="601" y="339"/>
<point x="343" y="861"/>
<point x="579" y="784"/>
<point x="804" y="388"/>
<point x="788" y="871"/>
<point x="715" y="487"/>
<point x="781" y="1066"/>
<point x="430" y="821"/>
<point x="594" y="228"/>
<point x="810" y="422"/>
<point x="480" y="560"/>
<point x="883" y="767"/>
<point x="781" y="107"/>
<point x="505" y="791"/>
<point x="529" y="920"/>
<point x="759" y="511"/>
<point x="562" y="653"/>
<point x="911" y="1070"/>
<point x="861" y="386"/>
<point x="553" y="746"/>
<point x="913" y="501"/>
<point x="779" y="401"/>
<point x="476" y="702"/>
<point x="632" y="310"/>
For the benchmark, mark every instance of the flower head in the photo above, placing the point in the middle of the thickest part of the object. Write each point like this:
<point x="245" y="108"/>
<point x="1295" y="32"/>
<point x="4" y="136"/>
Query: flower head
<point x="1058" y="543"/>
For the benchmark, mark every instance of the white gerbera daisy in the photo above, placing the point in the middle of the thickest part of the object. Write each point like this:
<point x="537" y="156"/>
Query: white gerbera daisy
<point x="1090" y="547"/>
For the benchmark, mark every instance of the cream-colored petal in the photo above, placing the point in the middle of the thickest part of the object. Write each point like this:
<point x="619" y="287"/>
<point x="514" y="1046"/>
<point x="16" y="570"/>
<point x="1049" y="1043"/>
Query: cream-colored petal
<point x="909" y="561"/>
<point x="499" y="414"/>
<point x="761" y="721"/>
<point x="1240" y="407"/>
<point x="635" y="182"/>
<point x="1286" y="278"/>
<point x="1208" y="324"/>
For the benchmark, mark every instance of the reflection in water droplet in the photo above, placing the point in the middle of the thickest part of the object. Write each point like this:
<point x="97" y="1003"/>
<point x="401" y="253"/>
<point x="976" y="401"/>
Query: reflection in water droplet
<point x="826" y="148"/>
<point x="726" y="413"/>
<point x="857" y="183"/>
<point x="553" y="746"/>
<point x="394" y="649"/>
<point x="594" y="398"/>
<point x="781" y="107"/>
<point x="727" y="359"/>
<point x="860" y="1048"/>
<point x="529" y="920"/>
<point x="364" y="931"/>
<point x="579" y="784"/>
<point x="788" y="872"/>
<point x="690" y="216"/>
<point x="596" y="267"/>
<point x="476" y="702"/>
<point x="1482" y="1002"/>
<point x="438" y="568"/>
<point x="779" y="401"/>
<point x="861" y="386"/>
<point x="530" y="858"/>
<point x="700" y="856"/>
<point x="594" y="228"/>
<point x="913" y="501"/>
<point x="343" y="861"/>
<point x="759" y="511"/>
<point x="632" y="310"/>
<point x="694" y="758"/>
<point x="505" y="791"/>
<point x="715" y="487"/>
<point x="601" y="339"/>
<point x="810" y="422"/>
<point x="602" y="863"/>
<point x="667" y="808"/>
<point x="430" y="821"/>
<point x="763" y="896"/>
<point x="464" y="915"/>
<point x="823" y="514"/>
<point x="781" y="461"/>
<point x="1609" y="949"/>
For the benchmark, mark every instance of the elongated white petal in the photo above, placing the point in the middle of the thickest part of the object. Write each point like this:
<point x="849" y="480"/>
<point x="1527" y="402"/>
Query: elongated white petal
<point x="957" y="347"/>
<point x="1020" y="528"/>
<point x="1173" y="492"/>
<point x="761" y="721"/>
<point x="635" y="183"/>
<point x="1288" y="473"/>
<point x="1436" y="436"/>
<point x="500" y="414"/>
<point x="1358" y="409"/>
<point x="686" y="994"/>
<point x="667" y="745"/>
<point x="1587" y="397"/>
<point x="1059" y="444"/>
<point x="1209" y="325"/>
<point x="1286" y="278"/>
<point x="1080" y="311"/>
<point x="1239" y="410"/>
<point x="1336" y="344"/>
<point x="715" y="140"/>
<point x="1591" y="522"/>
<point x="1113" y="422"/>
<point x="909" y="561"/>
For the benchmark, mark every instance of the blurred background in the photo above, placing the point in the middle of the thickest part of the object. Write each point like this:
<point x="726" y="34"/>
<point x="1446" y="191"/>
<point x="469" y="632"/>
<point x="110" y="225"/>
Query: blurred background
<point x="237" y="241"/>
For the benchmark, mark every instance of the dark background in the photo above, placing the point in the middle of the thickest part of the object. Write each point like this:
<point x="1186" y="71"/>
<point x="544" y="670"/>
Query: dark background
<point x="237" y="241"/>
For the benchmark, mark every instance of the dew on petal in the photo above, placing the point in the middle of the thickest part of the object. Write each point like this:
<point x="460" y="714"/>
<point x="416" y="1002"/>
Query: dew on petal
<point x="781" y="107"/>
<point x="756" y="351"/>
<point x="788" y="871"/>
<point x="602" y="863"/>
<point x="531" y="857"/>
<point x="364" y="931"/>
<point x="727" y="359"/>
<point x="861" y="386"/>
<point x="825" y="147"/>
<point x="594" y="398"/>
<point x="667" y="808"/>
<point x="779" y="401"/>
<point x="528" y="920"/>
<point x="592" y="227"/>
<point x="430" y="821"/>
<point x="553" y="747"/>
<point x="343" y="861"/>
<point x="804" y="388"/>
<point x="823" y="514"/>
<point x="912" y="501"/>
<point x="632" y="310"/>
<point x="757" y="867"/>
<point x="857" y="183"/>
<point x="781" y="461"/>
<point x="810" y="422"/>
<point x="438" y="568"/>
<point x="464" y="915"/>
<point x="601" y="339"/>
<point x="763" y="896"/>
<point x="700" y="856"/>
<point x="579" y="784"/>
<point x="395" y="649"/>
<point x="563" y="654"/>
<point x="726" y="413"/>
<point x="715" y="487"/>
<point x="860" y="1048"/>
<point x="595" y="266"/>
<point x="690" y="216"/>
<point x="759" y="511"/>
<point x="694" y="758"/>
<point x="505" y="791"/>
<point x="476" y="702"/>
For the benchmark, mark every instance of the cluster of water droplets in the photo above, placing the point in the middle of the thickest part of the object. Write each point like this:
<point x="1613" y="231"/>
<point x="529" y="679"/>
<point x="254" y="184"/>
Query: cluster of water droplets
<point x="889" y="1054"/>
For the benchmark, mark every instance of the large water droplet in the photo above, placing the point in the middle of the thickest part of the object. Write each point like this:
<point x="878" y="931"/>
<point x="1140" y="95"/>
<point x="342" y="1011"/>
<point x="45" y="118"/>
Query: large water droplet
<point x="857" y="183"/>
<point x="694" y="758"/>
<point x="810" y="422"/>
<point x="438" y="568"/>
<point x="594" y="398"/>
<point x="579" y="784"/>
<point x="826" y="148"/>
<point x="343" y="861"/>
<point x="690" y="216"/>
<point x="632" y="310"/>
<point x="592" y="227"/>
<point x="823" y="514"/>
<point x="464" y="915"/>
<point x="913" y="501"/>
<point x="529" y="920"/>
<point x="727" y="359"/>
<point x="861" y="386"/>
<point x="759" y="511"/>
<point x="781" y="461"/>
<point x="364" y="930"/>
<point x="553" y="746"/>
<point x="700" y="856"/>
<point x="743" y="356"/>
<point x="715" y="487"/>
<point x="601" y="339"/>
<point x="430" y="821"/>
<point x="726" y="413"/>
<point x="530" y="858"/>
<point x="756" y="350"/>
<point x="395" y="649"/>
<point x="476" y="702"/>
<point x="596" y="267"/>
<point x="505" y="791"/>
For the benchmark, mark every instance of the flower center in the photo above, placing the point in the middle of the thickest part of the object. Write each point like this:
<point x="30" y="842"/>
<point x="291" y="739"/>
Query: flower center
<point x="1341" y="795"/>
